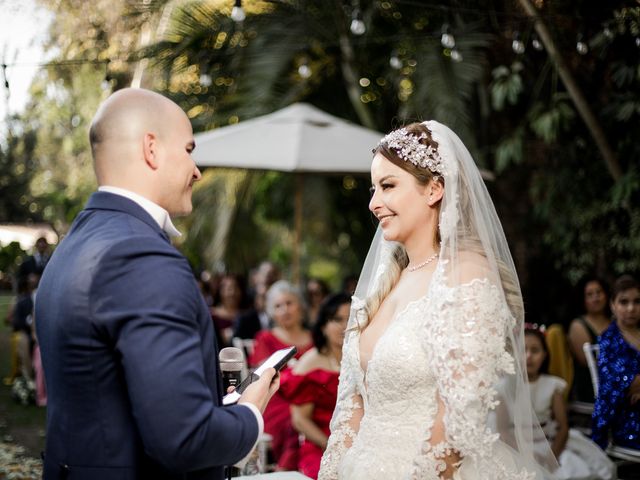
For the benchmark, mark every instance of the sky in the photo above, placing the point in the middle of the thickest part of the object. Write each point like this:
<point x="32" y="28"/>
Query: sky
<point x="23" y="29"/>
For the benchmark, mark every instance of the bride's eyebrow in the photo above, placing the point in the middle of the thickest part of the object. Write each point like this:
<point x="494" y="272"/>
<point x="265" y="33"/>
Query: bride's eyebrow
<point x="386" y="177"/>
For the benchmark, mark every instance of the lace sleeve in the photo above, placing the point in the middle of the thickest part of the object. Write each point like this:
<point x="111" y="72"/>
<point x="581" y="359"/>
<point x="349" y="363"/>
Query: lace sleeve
<point x="345" y="422"/>
<point x="467" y="337"/>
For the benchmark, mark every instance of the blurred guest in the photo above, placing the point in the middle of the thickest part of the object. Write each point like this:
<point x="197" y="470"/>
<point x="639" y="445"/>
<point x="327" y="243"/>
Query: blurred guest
<point x="286" y="307"/>
<point x="316" y="291"/>
<point x="205" y="282"/>
<point x="249" y="323"/>
<point x="227" y="306"/>
<point x="616" y="415"/>
<point x="349" y="284"/>
<point x="586" y="329"/>
<point x="312" y="386"/>
<point x="34" y="264"/>
<point x="23" y="321"/>
<point x="579" y="457"/>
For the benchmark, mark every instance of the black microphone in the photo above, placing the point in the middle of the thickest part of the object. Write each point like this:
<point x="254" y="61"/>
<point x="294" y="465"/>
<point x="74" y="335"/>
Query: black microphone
<point x="231" y="364"/>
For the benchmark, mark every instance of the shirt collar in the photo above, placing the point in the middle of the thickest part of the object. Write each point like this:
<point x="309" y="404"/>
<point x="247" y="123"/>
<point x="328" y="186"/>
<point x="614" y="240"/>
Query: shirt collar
<point x="159" y="214"/>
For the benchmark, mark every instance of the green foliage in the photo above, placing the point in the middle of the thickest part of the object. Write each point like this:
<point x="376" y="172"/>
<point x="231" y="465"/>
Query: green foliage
<point x="509" y="151"/>
<point x="551" y="122"/>
<point x="513" y="111"/>
<point x="506" y="86"/>
<point x="11" y="255"/>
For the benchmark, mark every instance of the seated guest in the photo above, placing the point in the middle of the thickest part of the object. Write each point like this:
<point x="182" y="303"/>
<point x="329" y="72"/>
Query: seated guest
<point x="316" y="291"/>
<point x="249" y="323"/>
<point x="286" y="307"/>
<point x="616" y="414"/>
<point x="227" y="306"/>
<point x="579" y="457"/>
<point x="586" y="329"/>
<point x="312" y="386"/>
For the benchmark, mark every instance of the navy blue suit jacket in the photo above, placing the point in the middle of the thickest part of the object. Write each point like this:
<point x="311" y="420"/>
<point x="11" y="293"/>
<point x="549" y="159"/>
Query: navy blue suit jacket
<point x="129" y="355"/>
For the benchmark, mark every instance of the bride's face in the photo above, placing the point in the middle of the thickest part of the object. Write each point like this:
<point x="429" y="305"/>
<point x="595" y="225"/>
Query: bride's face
<point x="398" y="201"/>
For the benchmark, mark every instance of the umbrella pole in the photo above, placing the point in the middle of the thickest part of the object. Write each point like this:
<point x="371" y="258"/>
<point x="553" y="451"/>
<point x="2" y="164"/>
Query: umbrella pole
<point x="297" y="237"/>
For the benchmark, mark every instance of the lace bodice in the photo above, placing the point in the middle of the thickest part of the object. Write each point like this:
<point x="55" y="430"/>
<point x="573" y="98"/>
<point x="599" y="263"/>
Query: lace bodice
<point x="444" y="351"/>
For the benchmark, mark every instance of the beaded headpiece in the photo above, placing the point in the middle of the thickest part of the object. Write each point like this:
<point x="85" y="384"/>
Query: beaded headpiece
<point x="408" y="147"/>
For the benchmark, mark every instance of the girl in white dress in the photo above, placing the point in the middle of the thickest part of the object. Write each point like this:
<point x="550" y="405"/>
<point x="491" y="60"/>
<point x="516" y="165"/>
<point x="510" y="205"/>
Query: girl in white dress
<point x="579" y="457"/>
<point x="436" y="323"/>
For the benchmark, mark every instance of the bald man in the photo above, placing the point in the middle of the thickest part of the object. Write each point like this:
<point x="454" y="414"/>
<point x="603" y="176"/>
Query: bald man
<point x="127" y="342"/>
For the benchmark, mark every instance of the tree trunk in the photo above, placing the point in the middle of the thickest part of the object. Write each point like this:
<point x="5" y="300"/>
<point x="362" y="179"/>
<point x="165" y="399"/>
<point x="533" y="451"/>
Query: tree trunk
<point x="350" y="75"/>
<point x="575" y="93"/>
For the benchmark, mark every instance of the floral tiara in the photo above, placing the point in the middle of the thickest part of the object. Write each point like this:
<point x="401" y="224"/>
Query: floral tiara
<point x="409" y="148"/>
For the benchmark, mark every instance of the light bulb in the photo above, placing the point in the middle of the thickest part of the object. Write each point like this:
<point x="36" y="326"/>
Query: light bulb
<point x="205" y="80"/>
<point x="517" y="45"/>
<point x="237" y="14"/>
<point x="637" y="41"/>
<point x="395" y="62"/>
<point x="304" y="71"/>
<point x="358" y="27"/>
<point x="448" y="40"/>
<point x="456" y="56"/>
<point x="581" y="46"/>
<point x="536" y="43"/>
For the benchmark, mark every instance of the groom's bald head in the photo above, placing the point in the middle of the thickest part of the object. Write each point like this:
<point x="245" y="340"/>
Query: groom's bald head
<point x="142" y="142"/>
<point x="121" y="122"/>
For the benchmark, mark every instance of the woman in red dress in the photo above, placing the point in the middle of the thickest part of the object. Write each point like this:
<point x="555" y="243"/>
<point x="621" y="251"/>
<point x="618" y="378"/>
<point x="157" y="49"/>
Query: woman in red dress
<point x="312" y="386"/>
<point x="286" y="307"/>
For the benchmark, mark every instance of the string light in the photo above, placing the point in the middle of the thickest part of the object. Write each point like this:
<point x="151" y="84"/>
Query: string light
<point x="536" y="43"/>
<point x="447" y="40"/>
<point x="205" y="80"/>
<point x="517" y="45"/>
<point x="304" y="70"/>
<point x="581" y="45"/>
<point x="357" y="24"/>
<point x="456" y="56"/>
<point x="394" y="61"/>
<point x="237" y="13"/>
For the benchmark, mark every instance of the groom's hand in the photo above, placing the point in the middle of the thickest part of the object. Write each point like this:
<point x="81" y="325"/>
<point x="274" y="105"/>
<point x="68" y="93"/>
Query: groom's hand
<point x="260" y="392"/>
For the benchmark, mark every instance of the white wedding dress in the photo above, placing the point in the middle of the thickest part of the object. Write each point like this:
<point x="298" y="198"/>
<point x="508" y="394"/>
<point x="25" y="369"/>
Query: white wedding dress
<point x="430" y="386"/>
<point x="449" y="344"/>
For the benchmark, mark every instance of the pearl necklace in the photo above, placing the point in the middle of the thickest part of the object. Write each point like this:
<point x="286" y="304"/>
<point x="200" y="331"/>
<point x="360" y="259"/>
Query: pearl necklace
<point x="425" y="263"/>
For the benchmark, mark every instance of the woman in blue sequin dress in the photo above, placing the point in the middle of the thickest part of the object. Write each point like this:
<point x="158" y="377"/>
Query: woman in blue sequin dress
<point x="616" y="415"/>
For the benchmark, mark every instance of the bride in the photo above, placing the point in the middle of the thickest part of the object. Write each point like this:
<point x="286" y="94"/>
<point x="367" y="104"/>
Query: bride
<point x="436" y="323"/>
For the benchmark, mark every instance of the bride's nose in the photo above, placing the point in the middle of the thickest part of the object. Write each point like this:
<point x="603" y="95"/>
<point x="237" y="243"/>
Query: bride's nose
<point x="374" y="203"/>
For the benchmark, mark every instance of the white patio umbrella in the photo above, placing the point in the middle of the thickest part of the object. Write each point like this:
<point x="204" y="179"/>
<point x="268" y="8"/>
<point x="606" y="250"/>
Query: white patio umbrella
<point x="299" y="138"/>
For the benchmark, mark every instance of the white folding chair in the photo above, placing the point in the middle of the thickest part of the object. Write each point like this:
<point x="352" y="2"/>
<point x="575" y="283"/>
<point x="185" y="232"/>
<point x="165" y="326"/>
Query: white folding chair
<point x="246" y="345"/>
<point x="591" y="351"/>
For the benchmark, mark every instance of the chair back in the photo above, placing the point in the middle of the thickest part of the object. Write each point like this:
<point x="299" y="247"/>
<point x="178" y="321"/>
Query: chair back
<point x="591" y="351"/>
<point x="560" y="359"/>
<point x="247" y="346"/>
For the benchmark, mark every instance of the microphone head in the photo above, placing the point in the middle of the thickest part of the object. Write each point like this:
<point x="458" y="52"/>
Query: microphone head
<point x="231" y="359"/>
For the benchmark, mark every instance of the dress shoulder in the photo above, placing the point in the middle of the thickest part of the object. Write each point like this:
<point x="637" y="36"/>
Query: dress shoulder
<point x="555" y="384"/>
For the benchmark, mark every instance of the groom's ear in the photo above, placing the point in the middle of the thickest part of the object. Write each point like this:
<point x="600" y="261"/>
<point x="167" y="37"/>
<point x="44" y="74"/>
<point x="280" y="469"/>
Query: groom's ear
<point x="150" y="150"/>
<point x="435" y="190"/>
